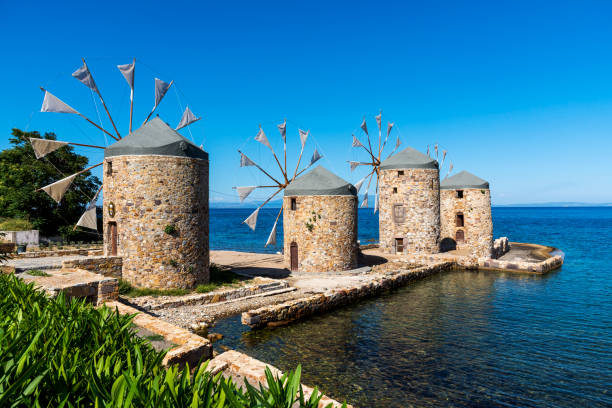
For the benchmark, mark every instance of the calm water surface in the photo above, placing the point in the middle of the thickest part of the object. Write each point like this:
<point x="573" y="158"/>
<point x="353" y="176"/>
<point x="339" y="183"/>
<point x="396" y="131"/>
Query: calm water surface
<point x="460" y="338"/>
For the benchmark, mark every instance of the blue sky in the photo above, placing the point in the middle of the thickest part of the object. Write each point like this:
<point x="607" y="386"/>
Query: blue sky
<point x="519" y="93"/>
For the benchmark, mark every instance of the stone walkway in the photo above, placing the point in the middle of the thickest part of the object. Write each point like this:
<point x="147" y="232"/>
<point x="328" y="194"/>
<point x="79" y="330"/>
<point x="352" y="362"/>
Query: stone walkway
<point x="51" y="262"/>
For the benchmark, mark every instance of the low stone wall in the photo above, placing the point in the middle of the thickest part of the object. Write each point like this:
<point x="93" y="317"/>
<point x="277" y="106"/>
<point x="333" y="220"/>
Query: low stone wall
<point x="61" y="252"/>
<point x="164" y="302"/>
<point x="190" y="349"/>
<point x="104" y="265"/>
<point x="76" y="283"/>
<point x="544" y="266"/>
<point x="500" y="247"/>
<point x="299" y="308"/>
<point x="241" y="367"/>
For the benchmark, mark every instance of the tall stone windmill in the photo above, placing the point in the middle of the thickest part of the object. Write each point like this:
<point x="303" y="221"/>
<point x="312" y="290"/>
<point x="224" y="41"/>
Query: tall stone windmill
<point x="155" y="193"/>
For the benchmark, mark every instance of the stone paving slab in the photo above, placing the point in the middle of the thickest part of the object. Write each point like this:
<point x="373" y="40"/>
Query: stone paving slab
<point x="50" y="262"/>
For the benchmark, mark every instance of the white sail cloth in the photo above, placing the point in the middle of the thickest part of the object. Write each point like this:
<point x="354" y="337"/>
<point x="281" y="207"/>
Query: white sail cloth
<point x="83" y="75"/>
<point x="360" y="183"/>
<point x="379" y="121"/>
<point x="356" y="142"/>
<point x="272" y="237"/>
<point x="43" y="147"/>
<point x="364" y="126"/>
<point x="127" y="70"/>
<point x="365" y="200"/>
<point x="315" y="157"/>
<point x="89" y="219"/>
<point x="51" y="103"/>
<point x="282" y="128"/>
<point x="57" y="190"/>
<point x="261" y="138"/>
<point x="187" y="119"/>
<point x="245" y="161"/>
<point x="243" y="192"/>
<point x="251" y="220"/>
<point x="161" y="88"/>
<point x="389" y="127"/>
<point x="303" y="136"/>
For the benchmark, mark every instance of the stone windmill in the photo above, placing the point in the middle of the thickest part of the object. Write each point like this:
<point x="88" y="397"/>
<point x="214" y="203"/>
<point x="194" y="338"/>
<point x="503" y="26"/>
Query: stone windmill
<point x="155" y="192"/>
<point x="278" y="183"/>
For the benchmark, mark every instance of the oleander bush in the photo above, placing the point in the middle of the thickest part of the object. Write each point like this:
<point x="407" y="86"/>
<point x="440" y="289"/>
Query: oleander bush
<point x="67" y="353"/>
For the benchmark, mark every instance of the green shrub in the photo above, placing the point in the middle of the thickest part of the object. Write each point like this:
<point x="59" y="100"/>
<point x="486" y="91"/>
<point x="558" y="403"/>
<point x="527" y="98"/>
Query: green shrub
<point x="37" y="272"/>
<point x="126" y="289"/>
<point x="219" y="277"/>
<point x="60" y="352"/>
<point x="15" y="224"/>
<point x="170" y="229"/>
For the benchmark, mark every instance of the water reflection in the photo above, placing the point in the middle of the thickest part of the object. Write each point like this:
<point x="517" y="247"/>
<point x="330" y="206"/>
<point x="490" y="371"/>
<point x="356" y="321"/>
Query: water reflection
<point x="455" y="339"/>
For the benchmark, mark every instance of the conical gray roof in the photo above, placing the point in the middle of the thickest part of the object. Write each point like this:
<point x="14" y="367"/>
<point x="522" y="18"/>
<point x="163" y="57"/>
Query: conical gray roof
<point x="409" y="159"/>
<point x="320" y="181"/>
<point x="463" y="179"/>
<point x="155" y="138"/>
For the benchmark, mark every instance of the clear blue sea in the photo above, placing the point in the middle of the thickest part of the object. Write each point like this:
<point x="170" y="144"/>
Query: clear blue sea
<point x="458" y="339"/>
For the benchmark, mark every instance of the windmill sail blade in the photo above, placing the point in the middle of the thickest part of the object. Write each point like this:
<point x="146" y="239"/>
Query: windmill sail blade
<point x="89" y="219"/>
<point x="303" y="136"/>
<point x="51" y="103"/>
<point x="243" y="192"/>
<point x="251" y="220"/>
<point x="84" y="75"/>
<point x="354" y="164"/>
<point x="356" y="142"/>
<point x="187" y="119"/>
<point x="315" y="157"/>
<point x="443" y="157"/>
<point x="127" y="70"/>
<point x="360" y="183"/>
<point x="43" y="147"/>
<point x="161" y="88"/>
<point x="262" y="138"/>
<point x="57" y="190"/>
<point x="389" y="127"/>
<point x="436" y="150"/>
<point x="376" y="203"/>
<point x="364" y="126"/>
<point x="379" y="121"/>
<point x="428" y="151"/>
<point x="272" y="237"/>
<point x="245" y="161"/>
<point x="365" y="200"/>
<point x="282" y="128"/>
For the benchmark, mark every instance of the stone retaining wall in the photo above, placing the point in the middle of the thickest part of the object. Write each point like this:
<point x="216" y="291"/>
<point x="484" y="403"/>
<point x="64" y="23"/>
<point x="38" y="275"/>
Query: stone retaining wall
<point x="241" y="366"/>
<point x="299" y="308"/>
<point x="104" y="265"/>
<point x="164" y="302"/>
<point x="542" y="267"/>
<point x="60" y="252"/>
<point x="191" y="347"/>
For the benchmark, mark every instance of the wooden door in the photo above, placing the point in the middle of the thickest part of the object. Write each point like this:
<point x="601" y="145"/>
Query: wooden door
<point x="399" y="245"/>
<point x="112" y="234"/>
<point x="460" y="236"/>
<point x="294" y="257"/>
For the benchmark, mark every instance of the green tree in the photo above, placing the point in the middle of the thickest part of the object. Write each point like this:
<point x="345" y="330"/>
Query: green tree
<point x="21" y="174"/>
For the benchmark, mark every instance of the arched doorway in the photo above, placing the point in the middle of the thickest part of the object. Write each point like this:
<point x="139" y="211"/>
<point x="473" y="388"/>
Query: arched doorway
<point x="294" y="257"/>
<point x="448" y="244"/>
<point x="460" y="236"/>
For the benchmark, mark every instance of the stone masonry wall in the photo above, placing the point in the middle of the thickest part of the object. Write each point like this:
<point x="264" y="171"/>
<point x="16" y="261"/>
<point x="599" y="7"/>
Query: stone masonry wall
<point x="416" y="202"/>
<point x="150" y="193"/>
<point x="332" y="243"/>
<point x="477" y="223"/>
<point x="103" y="265"/>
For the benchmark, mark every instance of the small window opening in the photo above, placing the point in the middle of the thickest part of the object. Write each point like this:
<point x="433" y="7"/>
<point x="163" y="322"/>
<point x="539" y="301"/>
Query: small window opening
<point x="460" y="236"/>
<point x="433" y="184"/>
<point x="400" y="173"/>
<point x="293" y="204"/>
<point x="459" y="220"/>
<point x="399" y="245"/>
<point x="394" y="190"/>
<point x="459" y="193"/>
<point x="398" y="213"/>
<point x="109" y="168"/>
